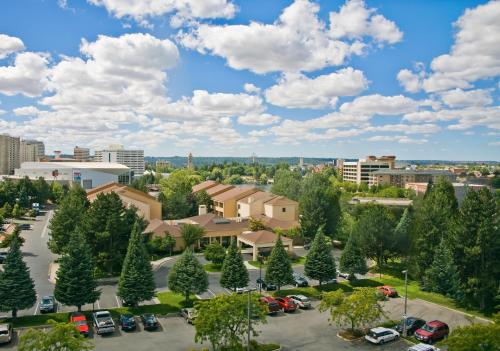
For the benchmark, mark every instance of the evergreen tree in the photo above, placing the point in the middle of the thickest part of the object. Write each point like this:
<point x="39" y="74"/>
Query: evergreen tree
<point x="136" y="281"/>
<point x="319" y="206"/>
<point x="402" y="238"/>
<point x="442" y="275"/>
<point x="215" y="253"/>
<point x="16" y="235"/>
<point x="17" y="289"/>
<point x="75" y="283"/>
<point x="279" y="267"/>
<point x="187" y="276"/>
<point x="69" y="214"/>
<point x="320" y="264"/>
<point x="476" y="248"/>
<point x="7" y="210"/>
<point x="17" y="212"/>
<point x="353" y="260"/>
<point x="234" y="273"/>
<point x="42" y="190"/>
<point x="433" y="221"/>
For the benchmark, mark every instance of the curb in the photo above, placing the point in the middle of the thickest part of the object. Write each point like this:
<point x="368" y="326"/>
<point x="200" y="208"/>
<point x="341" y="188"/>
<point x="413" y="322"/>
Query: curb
<point x="457" y="311"/>
<point x="348" y="340"/>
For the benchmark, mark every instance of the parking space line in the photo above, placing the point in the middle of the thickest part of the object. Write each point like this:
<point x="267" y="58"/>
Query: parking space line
<point x="98" y="305"/>
<point x="211" y="292"/>
<point x="117" y="301"/>
<point x="161" y="324"/>
<point x="36" y="308"/>
<point x="228" y="291"/>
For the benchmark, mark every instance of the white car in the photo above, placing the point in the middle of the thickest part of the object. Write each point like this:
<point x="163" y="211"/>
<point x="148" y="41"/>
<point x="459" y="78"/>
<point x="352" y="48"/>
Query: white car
<point x="342" y="274"/>
<point x="381" y="335"/>
<point x="423" y="347"/>
<point x="301" y="300"/>
<point x="5" y="333"/>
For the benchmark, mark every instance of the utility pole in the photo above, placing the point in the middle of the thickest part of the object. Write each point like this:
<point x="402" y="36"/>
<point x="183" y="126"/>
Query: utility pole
<point x="406" y="300"/>
<point x="260" y="273"/>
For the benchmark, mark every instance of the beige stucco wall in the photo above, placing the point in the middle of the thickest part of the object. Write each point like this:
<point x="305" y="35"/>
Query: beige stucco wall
<point x="276" y="211"/>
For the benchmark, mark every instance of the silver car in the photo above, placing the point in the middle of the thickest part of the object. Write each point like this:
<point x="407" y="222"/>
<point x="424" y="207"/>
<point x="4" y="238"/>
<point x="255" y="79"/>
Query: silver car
<point x="189" y="314"/>
<point x="301" y="300"/>
<point x="5" y="333"/>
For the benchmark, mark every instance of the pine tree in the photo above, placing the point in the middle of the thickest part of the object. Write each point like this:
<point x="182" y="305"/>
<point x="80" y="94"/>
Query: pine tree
<point x="136" y="281"/>
<point x="320" y="264"/>
<point x="234" y="273"/>
<point x="69" y="214"/>
<point x="279" y="268"/>
<point x="352" y="260"/>
<point x="442" y="275"/>
<point x="187" y="276"/>
<point x="402" y="238"/>
<point x="75" y="283"/>
<point x="17" y="289"/>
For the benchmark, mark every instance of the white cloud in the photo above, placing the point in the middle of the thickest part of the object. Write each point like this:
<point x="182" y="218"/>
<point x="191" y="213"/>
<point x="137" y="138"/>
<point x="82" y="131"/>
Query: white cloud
<point x="259" y="133"/>
<point x="460" y="98"/>
<point x="9" y="44"/>
<point x="355" y="20"/>
<point x="475" y="54"/>
<point x="299" y="91"/>
<point x="262" y="119"/>
<point x="251" y="88"/>
<point x="298" y="41"/>
<point x="28" y="75"/>
<point x="184" y="9"/>
<point x="26" y="111"/>
<point x="401" y="139"/>
<point x="380" y="105"/>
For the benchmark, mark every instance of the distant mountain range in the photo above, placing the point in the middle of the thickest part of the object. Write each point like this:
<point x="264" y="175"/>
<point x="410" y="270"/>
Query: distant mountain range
<point x="179" y="161"/>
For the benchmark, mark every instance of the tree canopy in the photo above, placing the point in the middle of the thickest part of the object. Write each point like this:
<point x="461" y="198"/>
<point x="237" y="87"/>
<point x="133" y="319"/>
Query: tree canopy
<point x="279" y="267"/>
<point x="234" y="273"/>
<point x="187" y="276"/>
<point x="320" y="264"/>
<point x="60" y="337"/>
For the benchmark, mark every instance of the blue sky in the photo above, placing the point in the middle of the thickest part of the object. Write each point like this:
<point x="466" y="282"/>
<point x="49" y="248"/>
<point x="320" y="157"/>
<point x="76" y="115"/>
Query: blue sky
<point x="418" y="79"/>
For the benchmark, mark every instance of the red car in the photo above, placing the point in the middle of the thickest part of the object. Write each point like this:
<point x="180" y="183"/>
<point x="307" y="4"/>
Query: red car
<point x="80" y="322"/>
<point x="432" y="331"/>
<point x="287" y="304"/>
<point x="387" y="290"/>
<point x="272" y="305"/>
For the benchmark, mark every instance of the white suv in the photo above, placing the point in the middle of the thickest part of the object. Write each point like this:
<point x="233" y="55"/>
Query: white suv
<point x="381" y="335"/>
<point x="5" y="333"/>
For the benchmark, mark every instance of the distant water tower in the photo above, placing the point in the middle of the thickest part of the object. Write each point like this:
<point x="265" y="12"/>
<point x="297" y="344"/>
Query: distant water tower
<point x="254" y="158"/>
<point x="301" y="162"/>
<point x="190" y="161"/>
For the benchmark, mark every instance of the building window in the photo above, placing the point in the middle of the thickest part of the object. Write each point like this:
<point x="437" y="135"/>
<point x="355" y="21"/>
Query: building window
<point x="283" y="209"/>
<point x="238" y="206"/>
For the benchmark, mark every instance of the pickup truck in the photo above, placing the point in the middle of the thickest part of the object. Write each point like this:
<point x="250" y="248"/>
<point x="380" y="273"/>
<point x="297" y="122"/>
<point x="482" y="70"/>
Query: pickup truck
<point x="103" y="322"/>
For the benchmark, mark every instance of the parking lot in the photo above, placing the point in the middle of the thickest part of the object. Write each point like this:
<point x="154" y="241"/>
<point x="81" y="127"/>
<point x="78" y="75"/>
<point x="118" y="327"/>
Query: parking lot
<point x="305" y="330"/>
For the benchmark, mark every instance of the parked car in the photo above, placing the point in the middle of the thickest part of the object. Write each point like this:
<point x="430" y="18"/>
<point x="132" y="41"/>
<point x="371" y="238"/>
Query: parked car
<point x="48" y="304"/>
<point x="80" y="322"/>
<point x="267" y="286"/>
<point x="189" y="314"/>
<point x="301" y="300"/>
<point x="272" y="305"/>
<point x="3" y="257"/>
<point x="412" y="324"/>
<point x="127" y="303"/>
<point x="5" y="333"/>
<point x="287" y="304"/>
<point x="423" y="347"/>
<point x="299" y="280"/>
<point x="381" y="335"/>
<point x="342" y="274"/>
<point x="307" y="246"/>
<point x="127" y="322"/>
<point x="149" y="321"/>
<point x="103" y="322"/>
<point x="432" y="331"/>
<point x="387" y="290"/>
<point x="24" y="226"/>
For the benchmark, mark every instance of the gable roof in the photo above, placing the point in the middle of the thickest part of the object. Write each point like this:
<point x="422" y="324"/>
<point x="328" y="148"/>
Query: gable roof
<point x="263" y="237"/>
<point x="219" y="188"/>
<point x="213" y="223"/>
<point x="159" y="227"/>
<point x="235" y="193"/>
<point x="258" y="195"/>
<point x="118" y="188"/>
<point x="204" y="185"/>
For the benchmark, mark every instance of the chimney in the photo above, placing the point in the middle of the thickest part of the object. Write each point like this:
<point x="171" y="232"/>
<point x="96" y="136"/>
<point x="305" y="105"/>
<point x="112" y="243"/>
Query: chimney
<point x="202" y="210"/>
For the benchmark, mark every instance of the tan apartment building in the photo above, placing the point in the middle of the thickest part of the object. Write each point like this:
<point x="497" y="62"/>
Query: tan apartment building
<point x="282" y="209"/>
<point x="359" y="171"/>
<point x="9" y="154"/>
<point x="204" y="186"/>
<point x="31" y="150"/>
<point x="253" y="205"/>
<point x="147" y="206"/>
<point x="81" y="154"/>
<point x="225" y="202"/>
<point x="399" y="177"/>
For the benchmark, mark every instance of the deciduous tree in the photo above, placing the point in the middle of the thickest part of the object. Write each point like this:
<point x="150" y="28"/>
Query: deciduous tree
<point x="60" y="337"/>
<point x="191" y="233"/>
<point x="215" y="253"/>
<point x="287" y="183"/>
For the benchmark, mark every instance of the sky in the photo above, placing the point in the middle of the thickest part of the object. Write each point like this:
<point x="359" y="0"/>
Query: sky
<point x="418" y="79"/>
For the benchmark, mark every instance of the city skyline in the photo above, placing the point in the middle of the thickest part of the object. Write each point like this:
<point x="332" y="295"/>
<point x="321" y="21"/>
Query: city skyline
<point x="229" y="78"/>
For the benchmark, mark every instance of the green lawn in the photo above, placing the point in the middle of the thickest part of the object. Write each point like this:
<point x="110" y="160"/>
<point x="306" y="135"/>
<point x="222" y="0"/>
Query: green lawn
<point x="296" y="261"/>
<point x="169" y="303"/>
<point x="212" y="267"/>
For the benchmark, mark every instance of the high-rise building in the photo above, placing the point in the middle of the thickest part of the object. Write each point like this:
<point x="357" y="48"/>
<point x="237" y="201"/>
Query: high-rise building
<point x="31" y="151"/>
<point x="81" y="154"/>
<point x="9" y="154"/>
<point x="359" y="171"/>
<point x="190" y="161"/>
<point x="133" y="159"/>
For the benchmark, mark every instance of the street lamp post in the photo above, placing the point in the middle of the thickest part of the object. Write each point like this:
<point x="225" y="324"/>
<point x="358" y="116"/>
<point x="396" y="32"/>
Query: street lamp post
<point x="260" y="273"/>
<point x="406" y="300"/>
<point x="249" y="291"/>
